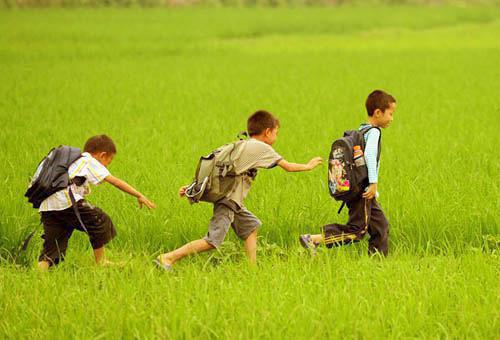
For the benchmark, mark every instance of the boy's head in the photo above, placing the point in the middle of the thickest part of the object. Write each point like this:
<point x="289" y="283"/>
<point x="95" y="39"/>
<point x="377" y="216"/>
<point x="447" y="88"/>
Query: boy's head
<point x="380" y="107"/>
<point x="102" y="148"/>
<point x="263" y="126"/>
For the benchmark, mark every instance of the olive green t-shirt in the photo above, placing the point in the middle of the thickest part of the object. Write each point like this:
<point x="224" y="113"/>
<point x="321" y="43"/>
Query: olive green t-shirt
<point x="254" y="155"/>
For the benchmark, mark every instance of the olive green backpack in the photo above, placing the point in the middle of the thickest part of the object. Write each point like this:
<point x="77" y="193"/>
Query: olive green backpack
<point x="215" y="175"/>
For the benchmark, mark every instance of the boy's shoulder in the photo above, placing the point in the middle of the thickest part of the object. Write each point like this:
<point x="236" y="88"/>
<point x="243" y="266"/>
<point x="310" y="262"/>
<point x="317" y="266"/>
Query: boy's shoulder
<point x="84" y="160"/>
<point x="253" y="146"/>
<point x="256" y="154"/>
<point x="370" y="130"/>
<point x="88" y="166"/>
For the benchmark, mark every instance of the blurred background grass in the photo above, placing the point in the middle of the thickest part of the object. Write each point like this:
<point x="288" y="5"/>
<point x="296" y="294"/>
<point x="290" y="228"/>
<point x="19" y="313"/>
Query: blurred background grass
<point x="235" y="3"/>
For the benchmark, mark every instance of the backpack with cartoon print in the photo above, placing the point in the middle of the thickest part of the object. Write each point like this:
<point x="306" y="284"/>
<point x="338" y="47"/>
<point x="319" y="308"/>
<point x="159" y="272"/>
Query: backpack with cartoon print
<point x="347" y="177"/>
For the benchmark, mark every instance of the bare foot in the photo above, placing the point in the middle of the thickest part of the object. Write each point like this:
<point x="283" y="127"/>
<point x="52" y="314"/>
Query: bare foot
<point x="43" y="266"/>
<point x="165" y="259"/>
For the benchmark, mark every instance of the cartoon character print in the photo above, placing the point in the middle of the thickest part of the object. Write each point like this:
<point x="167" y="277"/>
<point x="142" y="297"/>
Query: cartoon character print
<point x="337" y="174"/>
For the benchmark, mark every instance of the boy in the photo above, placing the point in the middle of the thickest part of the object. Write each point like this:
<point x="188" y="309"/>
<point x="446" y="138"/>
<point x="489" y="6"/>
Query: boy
<point x="365" y="214"/>
<point x="262" y="127"/>
<point x="57" y="214"/>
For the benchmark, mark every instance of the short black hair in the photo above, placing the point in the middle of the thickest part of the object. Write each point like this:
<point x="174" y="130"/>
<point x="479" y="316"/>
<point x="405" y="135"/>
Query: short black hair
<point x="261" y="120"/>
<point x="100" y="143"/>
<point x="378" y="99"/>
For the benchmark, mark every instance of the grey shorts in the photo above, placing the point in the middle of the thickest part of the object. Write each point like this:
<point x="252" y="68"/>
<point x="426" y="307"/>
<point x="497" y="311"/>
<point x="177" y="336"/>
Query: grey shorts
<point x="227" y="213"/>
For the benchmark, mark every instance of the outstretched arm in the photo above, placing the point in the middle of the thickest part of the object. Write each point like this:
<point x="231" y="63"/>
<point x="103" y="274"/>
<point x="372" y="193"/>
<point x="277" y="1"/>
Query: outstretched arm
<point x="296" y="167"/>
<point x="125" y="187"/>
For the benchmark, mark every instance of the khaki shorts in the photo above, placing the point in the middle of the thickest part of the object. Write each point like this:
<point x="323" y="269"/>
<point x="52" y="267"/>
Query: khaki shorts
<point x="227" y="213"/>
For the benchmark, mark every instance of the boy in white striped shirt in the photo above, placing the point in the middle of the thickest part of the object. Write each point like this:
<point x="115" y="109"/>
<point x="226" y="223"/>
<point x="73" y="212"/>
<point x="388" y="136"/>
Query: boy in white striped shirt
<point x="365" y="213"/>
<point x="58" y="216"/>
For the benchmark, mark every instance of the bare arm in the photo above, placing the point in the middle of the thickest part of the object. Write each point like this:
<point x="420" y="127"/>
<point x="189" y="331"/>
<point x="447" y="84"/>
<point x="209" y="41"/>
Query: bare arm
<point x="125" y="187"/>
<point x="296" y="167"/>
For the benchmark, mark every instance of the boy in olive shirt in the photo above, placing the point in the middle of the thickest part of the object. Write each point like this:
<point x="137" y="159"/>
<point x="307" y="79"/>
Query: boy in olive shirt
<point x="257" y="152"/>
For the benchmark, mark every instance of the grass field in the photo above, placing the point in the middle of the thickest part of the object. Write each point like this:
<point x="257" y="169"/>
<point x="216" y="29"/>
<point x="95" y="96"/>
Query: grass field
<point x="170" y="85"/>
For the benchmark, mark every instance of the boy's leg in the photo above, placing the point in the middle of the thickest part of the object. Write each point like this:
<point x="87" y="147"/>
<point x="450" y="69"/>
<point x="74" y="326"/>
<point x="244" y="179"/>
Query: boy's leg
<point x="251" y="247"/>
<point x="99" y="255"/>
<point x="356" y="227"/>
<point x="192" y="247"/>
<point x="378" y="230"/>
<point x="99" y="225"/>
<point x="246" y="226"/>
<point x="56" y="235"/>
<point x="217" y="230"/>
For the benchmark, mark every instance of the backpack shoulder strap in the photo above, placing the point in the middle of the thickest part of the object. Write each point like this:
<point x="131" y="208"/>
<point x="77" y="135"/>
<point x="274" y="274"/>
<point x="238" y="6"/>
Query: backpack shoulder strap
<point x="75" y="209"/>
<point x="242" y="135"/>
<point x="368" y="128"/>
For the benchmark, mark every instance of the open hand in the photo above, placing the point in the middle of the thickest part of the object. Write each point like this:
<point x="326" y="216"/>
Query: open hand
<point x="182" y="190"/>
<point x="142" y="200"/>
<point x="371" y="192"/>
<point x="314" y="162"/>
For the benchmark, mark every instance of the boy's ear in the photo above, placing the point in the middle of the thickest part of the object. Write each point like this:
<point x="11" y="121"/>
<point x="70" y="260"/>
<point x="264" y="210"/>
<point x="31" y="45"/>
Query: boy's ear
<point x="377" y="113"/>
<point x="102" y="154"/>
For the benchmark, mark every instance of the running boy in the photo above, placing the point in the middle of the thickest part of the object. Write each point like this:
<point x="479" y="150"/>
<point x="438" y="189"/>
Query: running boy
<point x="57" y="214"/>
<point x="365" y="214"/>
<point x="257" y="152"/>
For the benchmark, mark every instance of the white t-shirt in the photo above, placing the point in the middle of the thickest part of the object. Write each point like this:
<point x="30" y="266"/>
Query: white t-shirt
<point x="86" y="166"/>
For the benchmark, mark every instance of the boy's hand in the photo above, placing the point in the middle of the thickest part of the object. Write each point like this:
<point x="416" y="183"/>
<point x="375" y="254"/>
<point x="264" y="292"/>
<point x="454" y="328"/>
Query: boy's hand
<point x="182" y="190"/>
<point x="371" y="192"/>
<point x="142" y="200"/>
<point x="314" y="162"/>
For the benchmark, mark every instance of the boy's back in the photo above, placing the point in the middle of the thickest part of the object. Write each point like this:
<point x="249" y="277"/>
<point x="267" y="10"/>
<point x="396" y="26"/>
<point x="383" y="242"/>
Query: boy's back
<point x="254" y="155"/>
<point x="87" y="169"/>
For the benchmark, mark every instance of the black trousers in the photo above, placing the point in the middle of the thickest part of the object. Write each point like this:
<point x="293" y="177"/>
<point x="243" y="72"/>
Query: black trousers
<point x="59" y="225"/>
<point x="365" y="216"/>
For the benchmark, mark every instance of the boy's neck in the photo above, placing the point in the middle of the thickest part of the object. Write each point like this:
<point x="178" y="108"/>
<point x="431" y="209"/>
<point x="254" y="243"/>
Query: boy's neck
<point x="260" y="138"/>
<point x="372" y="121"/>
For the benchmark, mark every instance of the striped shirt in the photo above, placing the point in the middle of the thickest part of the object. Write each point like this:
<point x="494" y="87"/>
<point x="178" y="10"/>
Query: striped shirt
<point x="372" y="138"/>
<point x="87" y="167"/>
<point x="254" y="155"/>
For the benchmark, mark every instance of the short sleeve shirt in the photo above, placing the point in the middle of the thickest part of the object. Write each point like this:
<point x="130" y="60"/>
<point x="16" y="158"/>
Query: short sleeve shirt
<point x="86" y="167"/>
<point x="255" y="155"/>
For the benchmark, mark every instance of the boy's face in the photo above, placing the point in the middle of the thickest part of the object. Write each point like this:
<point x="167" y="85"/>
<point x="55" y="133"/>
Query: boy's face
<point x="385" y="118"/>
<point x="104" y="158"/>
<point x="270" y="135"/>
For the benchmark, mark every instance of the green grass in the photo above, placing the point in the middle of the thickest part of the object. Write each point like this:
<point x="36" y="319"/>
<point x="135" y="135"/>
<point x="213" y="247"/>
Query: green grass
<point x="170" y="85"/>
<point x="337" y="295"/>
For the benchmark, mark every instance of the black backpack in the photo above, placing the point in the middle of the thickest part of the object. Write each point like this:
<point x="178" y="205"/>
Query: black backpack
<point x="346" y="179"/>
<point x="53" y="175"/>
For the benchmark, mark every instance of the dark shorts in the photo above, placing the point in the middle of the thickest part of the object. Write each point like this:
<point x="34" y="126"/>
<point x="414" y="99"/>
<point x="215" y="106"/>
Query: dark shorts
<point x="59" y="225"/>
